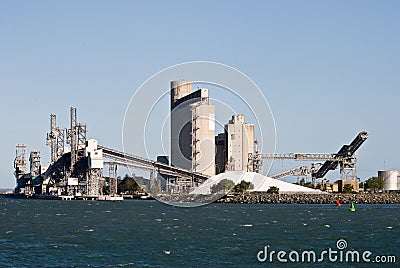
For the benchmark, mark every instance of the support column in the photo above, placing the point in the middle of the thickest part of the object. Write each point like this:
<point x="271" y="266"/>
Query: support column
<point x="112" y="168"/>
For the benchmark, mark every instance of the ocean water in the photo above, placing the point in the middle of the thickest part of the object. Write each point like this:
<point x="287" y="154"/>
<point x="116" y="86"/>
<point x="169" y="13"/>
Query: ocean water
<point x="44" y="233"/>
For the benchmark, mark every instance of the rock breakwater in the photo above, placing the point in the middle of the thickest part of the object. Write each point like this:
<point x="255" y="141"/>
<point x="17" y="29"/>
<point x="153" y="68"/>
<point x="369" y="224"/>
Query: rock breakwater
<point x="358" y="198"/>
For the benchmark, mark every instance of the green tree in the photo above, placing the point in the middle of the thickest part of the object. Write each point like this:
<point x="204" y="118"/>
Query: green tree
<point x="273" y="190"/>
<point x="243" y="187"/>
<point x="223" y="186"/>
<point x="128" y="185"/>
<point x="374" y="183"/>
<point x="348" y="188"/>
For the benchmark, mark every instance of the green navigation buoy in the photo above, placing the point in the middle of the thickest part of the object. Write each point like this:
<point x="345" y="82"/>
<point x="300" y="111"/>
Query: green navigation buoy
<point x="352" y="208"/>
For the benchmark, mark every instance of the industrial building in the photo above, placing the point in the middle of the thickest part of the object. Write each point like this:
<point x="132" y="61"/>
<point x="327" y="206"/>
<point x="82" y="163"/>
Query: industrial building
<point x="220" y="155"/>
<point x="192" y="129"/>
<point x="240" y="144"/>
<point x="194" y="145"/>
<point x="235" y="145"/>
<point x="354" y="183"/>
<point x="77" y="164"/>
<point x="77" y="171"/>
<point x="391" y="179"/>
<point x="69" y="173"/>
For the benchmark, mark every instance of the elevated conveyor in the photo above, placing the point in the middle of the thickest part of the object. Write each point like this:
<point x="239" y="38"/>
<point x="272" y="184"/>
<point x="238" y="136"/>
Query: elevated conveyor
<point x="149" y="165"/>
<point x="346" y="153"/>
<point x="296" y="171"/>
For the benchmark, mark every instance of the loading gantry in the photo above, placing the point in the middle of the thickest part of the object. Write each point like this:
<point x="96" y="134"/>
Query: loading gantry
<point x="345" y="159"/>
<point x="76" y="172"/>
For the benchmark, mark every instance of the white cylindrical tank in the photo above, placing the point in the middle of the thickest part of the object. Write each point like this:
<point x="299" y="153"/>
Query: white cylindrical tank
<point x="391" y="179"/>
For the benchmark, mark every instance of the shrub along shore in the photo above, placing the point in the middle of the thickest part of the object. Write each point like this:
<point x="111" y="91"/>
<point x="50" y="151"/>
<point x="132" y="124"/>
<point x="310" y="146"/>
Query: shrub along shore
<point x="265" y="198"/>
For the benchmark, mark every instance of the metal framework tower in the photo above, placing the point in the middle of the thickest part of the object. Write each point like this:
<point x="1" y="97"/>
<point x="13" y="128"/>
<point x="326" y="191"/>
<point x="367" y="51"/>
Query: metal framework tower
<point x="348" y="169"/>
<point x="71" y="138"/>
<point x="112" y="171"/>
<point x="52" y="138"/>
<point x="34" y="160"/>
<point x="76" y="138"/>
<point x="345" y="159"/>
<point x="93" y="185"/>
<point x="21" y="154"/>
<point x="60" y="142"/>
<point x="256" y="160"/>
<point x="55" y="139"/>
<point x="81" y="140"/>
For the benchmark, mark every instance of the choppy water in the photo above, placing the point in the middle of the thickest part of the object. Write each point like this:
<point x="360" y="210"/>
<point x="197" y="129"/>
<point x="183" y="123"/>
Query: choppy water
<point x="40" y="233"/>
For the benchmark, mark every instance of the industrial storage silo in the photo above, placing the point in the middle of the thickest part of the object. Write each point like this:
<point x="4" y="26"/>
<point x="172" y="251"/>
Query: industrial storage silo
<point x="391" y="179"/>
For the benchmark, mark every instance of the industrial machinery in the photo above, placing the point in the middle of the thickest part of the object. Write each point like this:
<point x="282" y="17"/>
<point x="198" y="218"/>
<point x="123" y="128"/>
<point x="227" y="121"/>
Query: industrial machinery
<point x="23" y="181"/>
<point x="345" y="159"/>
<point x="79" y="170"/>
<point x="69" y="172"/>
<point x="296" y="171"/>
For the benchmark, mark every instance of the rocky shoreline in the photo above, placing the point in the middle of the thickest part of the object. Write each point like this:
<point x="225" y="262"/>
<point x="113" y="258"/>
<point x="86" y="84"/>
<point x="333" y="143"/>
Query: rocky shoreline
<point x="358" y="198"/>
<point x="265" y="198"/>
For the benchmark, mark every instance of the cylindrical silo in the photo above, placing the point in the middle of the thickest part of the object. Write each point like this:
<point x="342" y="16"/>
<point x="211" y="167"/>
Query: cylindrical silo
<point x="391" y="179"/>
<point x="179" y="89"/>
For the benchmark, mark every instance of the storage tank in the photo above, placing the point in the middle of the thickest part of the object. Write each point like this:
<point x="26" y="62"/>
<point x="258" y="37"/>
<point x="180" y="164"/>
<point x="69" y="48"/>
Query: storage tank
<point x="179" y="89"/>
<point x="391" y="179"/>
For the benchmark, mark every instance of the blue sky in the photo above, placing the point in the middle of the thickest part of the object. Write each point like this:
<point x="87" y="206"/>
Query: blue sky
<point x="329" y="69"/>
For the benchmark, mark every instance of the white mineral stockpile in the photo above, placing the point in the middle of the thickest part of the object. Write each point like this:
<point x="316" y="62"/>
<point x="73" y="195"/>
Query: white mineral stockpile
<point x="261" y="183"/>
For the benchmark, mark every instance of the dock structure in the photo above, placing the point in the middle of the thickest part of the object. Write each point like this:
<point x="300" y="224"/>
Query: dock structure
<point x="77" y="172"/>
<point x="77" y="165"/>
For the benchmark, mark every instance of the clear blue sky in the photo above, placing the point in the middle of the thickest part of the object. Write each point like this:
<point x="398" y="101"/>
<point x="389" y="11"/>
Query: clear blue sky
<point x="329" y="69"/>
